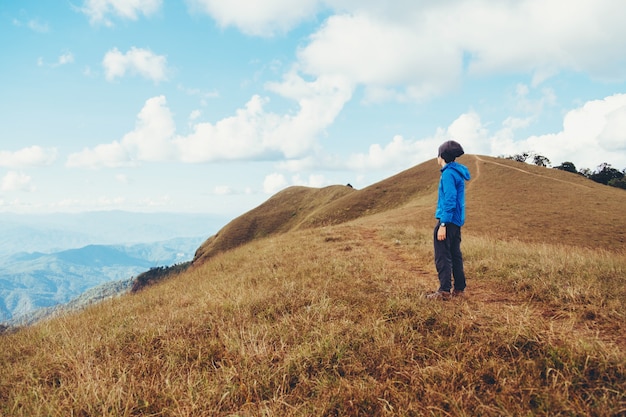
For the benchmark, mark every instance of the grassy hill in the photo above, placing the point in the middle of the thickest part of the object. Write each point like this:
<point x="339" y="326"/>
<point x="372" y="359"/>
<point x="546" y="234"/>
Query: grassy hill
<point x="312" y="304"/>
<point x="506" y="200"/>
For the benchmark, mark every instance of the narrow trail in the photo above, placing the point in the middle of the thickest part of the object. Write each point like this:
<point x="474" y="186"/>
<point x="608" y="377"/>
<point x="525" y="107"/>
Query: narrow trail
<point x="416" y="277"/>
<point x="424" y="271"/>
<point x="479" y="159"/>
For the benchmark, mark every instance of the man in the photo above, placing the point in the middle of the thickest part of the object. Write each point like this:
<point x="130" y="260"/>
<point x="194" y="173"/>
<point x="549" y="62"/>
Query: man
<point x="450" y="216"/>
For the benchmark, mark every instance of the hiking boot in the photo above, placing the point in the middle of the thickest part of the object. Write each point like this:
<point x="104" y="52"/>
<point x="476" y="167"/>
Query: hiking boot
<point x="458" y="293"/>
<point x="439" y="295"/>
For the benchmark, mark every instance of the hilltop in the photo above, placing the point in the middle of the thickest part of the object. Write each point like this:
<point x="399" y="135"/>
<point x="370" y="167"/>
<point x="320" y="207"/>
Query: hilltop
<point x="312" y="304"/>
<point x="506" y="200"/>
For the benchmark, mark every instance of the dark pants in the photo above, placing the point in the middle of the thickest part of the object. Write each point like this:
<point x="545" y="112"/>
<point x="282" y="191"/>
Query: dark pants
<point x="449" y="259"/>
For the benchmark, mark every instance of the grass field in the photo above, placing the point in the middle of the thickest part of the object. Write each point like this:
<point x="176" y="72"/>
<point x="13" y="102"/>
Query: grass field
<point x="328" y="318"/>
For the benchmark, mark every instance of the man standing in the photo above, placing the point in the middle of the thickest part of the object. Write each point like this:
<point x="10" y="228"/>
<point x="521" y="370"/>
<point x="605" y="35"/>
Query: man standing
<point x="450" y="216"/>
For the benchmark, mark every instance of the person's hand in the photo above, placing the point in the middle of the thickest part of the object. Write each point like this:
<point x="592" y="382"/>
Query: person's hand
<point x="441" y="233"/>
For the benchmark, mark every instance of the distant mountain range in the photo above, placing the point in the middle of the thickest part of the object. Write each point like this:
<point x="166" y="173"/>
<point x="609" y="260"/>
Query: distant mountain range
<point x="29" y="281"/>
<point x="49" y="259"/>
<point x="56" y="232"/>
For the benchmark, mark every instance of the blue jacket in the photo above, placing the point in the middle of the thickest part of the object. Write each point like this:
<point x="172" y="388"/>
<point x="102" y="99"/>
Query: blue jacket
<point x="451" y="201"/>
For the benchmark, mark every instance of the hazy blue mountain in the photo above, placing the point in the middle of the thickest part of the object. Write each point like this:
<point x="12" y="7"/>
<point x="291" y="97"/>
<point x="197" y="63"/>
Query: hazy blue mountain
<point x="56" y="232"/>
<point x="30" y="281"/>
<point x="50" y="259"/>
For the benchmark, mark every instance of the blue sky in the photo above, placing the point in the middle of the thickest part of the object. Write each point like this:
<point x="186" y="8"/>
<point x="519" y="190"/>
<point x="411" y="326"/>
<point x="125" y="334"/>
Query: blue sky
<point x="212" y="106"/>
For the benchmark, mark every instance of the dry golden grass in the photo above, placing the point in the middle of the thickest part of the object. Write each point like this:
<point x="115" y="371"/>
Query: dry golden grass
<point x="331" y="320"/>
<point x="506" y="200"/>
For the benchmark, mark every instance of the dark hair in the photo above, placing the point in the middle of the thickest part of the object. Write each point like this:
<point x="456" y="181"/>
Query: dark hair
<point x="450" y="150"/>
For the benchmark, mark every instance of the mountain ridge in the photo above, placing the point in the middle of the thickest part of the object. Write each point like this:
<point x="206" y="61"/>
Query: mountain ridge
<point x="503" y="199"/>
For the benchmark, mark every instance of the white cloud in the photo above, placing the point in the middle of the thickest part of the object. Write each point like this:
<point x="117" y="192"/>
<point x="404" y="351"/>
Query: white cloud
<point x="195" y="115"/>
<point x="16" y="181"/>
<point x="242" y="136"/>
<point x="251" y="134"/>
<point x="28" y="157"/>
<point x="384" y="55"/>
<point x="222" y="190"/>
<point x="136" y="61"/>
<point x="110" y="155"/>
<point x="539" y="37"/>
<point x="274" y="183"/>
<point x="314" y="180"/>
<point x="262" y="18"/>
<point x="150" y="141"/>
<point x="98" y="10"/>
<point x="254" y="133"/>
<point x="613" y="136"/>
<point x="399" y="153"/>
<point x="66" y="58"/>
<point x="415" y="50"/>
<point x="402" y="153"/>
<point x="63" y="59"/>
<point x="592" y="134"/>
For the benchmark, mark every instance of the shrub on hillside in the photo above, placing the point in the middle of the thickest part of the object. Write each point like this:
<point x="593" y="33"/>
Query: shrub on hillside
<point x="605" y="173"/>
<point x="618" y="182"/>
<point x="567" y="166"/>
<point x="536" y="159"/>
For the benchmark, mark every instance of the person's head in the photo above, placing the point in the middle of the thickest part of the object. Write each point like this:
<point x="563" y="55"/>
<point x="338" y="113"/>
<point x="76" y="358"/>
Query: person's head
<point x="449" y="151"/>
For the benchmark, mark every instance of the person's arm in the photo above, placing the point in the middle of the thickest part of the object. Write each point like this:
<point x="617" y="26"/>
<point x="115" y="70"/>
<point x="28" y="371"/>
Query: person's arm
<point x="449" y="197"/>
<point x="449" y="203"/>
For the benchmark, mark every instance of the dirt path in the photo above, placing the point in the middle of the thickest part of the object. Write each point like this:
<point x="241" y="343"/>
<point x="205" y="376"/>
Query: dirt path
<point x="479" y="159"/>
<point x="417" y="276"/>
<point x="424" y="270"/>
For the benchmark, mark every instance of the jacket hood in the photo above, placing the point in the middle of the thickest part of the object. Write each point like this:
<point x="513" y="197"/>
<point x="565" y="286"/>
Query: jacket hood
<point x="461" y="169"/>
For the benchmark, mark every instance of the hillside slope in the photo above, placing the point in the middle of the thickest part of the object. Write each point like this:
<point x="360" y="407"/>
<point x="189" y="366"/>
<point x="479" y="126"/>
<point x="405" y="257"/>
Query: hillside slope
<point x="505" y="200"/>
<point x="318" y="308"/>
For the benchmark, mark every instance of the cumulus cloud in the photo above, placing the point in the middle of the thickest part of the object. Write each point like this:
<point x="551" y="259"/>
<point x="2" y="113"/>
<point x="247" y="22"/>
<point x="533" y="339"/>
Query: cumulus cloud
<point x="252" y="133"/>
<point x="99" y="10"/>
<point x="28" y="157"/>
<point x="260" y="18"/>
<point x="274" y="183"/>
<point x="16" y="181"/>
<point x="255" y="133"/>
<point x="313" y="180"/>
<point x="136" y="61"/>
<point x="592" y="134"/>
<point x="383" y="55"/>
<point x="66" y="58"/>
<point x="416" y="50"/>
<point x="149" y="141"/>
<point x="399" y="153"/>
